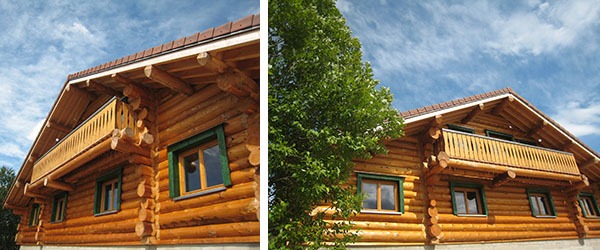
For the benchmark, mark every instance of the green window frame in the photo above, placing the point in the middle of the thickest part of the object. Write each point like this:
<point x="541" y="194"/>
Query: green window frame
<point x="499" y="135"/>
<point x="461" y="128"/>
<point x="536" y="203"/>
<point x="396" y="180"/>
<point x="175" y="180"/>
<point x="465" y="188"/>
<point x="59" y="207"/>
<point x="108" y="180"/>
<point x="34" y="215"/>
<point x="589" y="205"/>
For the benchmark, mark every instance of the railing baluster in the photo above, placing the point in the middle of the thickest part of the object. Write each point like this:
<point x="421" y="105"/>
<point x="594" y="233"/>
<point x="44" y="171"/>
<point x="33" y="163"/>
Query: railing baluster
<point x="477" y="148"/>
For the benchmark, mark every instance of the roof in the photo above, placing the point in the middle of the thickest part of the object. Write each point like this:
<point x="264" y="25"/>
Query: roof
<point x="200" y="37"/>
<point x="522" y="112"/>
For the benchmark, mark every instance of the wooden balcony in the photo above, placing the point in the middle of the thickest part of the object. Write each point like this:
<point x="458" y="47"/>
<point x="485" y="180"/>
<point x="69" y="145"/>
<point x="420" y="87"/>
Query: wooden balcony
<point x="516" y="156"/>
<point x="97" y="128"/>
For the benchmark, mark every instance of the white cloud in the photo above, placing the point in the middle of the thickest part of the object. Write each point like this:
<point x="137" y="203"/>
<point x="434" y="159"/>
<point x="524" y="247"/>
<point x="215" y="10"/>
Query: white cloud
<point x="579" y="118"/>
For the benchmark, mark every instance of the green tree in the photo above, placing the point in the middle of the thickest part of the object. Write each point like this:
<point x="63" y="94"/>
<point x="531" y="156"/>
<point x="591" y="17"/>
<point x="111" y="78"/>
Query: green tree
<point x="324" y="111"/>
<point x="8" y="221"/>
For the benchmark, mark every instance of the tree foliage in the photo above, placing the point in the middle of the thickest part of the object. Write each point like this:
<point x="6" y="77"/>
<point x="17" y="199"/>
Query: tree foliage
<point x="324" y="111"/>
<point x="8" y="221"/>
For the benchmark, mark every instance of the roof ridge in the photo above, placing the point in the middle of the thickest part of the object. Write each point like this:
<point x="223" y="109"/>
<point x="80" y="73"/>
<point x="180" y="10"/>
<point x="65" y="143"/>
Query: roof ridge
<point x="455" y="102"/>
<point x="247" y="22"/>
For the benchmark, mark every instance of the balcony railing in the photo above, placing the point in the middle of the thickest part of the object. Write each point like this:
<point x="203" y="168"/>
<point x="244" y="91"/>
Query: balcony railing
<point x="99" y="126"/>
<point x="478" y="148"/>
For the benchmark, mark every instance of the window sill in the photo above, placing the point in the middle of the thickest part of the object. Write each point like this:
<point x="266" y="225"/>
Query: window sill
<point x="592" y="217"/>
<point x="545" y="216"/>
<point x="56" y="222"/>
<point x="379" y="212"/>
<point x="472" y="215"/>
<point x="107" y="212"/>
<point x="205" y="192"/>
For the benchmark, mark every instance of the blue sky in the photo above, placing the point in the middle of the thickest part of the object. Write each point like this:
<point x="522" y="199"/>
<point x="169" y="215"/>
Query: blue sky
<point x="44" y="41"/>
<point x="429" y="52"/>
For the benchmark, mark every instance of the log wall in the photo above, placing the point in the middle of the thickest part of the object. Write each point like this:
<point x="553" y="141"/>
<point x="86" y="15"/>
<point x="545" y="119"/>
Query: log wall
<point x="226" y="216"/>
<point x="148" y="214"/>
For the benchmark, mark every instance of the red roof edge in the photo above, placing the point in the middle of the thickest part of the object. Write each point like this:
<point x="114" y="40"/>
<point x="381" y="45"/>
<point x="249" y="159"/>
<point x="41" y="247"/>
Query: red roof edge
<point x="244" y="23"/>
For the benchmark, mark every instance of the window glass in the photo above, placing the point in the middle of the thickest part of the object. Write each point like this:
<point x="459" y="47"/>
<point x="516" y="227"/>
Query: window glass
<point x="535" y="207"/>
<point x="212" y="164"/>
<point x="542" y="203"/>
<point x="588" y="205"/>
<point x="370" y="191"/>
<point x="388" y="200"/>
<point x="472" y="201"/>
<point x="191" y="172"/>
<point x="461" y="207"/>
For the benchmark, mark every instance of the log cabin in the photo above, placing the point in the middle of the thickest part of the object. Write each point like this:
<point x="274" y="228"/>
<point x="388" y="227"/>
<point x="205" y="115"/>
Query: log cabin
<point x="156" y="149"/>
<point x="490" y="171"/>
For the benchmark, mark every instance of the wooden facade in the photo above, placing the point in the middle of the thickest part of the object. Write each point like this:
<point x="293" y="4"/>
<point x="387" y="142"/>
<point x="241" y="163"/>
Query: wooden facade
<point x="487" y="168"/>
<point x="157" y="148"/>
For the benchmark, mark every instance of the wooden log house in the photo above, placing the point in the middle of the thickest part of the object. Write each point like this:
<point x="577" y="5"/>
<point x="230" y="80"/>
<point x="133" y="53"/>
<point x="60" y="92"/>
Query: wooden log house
<point x="158" y="148"/>
<point x="489" y="168"/>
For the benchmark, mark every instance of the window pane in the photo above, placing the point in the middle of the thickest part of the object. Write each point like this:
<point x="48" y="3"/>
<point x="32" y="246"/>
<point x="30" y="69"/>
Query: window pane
<point x="388" y="201"/>
<point x="192" y="172"/>
<point x="107" y="197"/>
<point x="534" y="205"/>
<point x="461" y="207"/>
<point x="588" y="206"/>
<point x="542" y="202"/>
<point x="472" y="199"/>
<point x="370" y="191"/>
<point x="212" y="166"/>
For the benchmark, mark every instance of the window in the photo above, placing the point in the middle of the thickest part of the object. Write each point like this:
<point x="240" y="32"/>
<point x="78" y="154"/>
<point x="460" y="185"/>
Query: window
<point x="199" y="164"/>
<point x="499" y="135"/>
<point x="59" y="207"/>
<point x="528" y="142"/>
<point x="588" y="204"/>
<point x="468" y="199"/>
<point x="461" y="128"/>
<point x="541" y="203"/>
<point x="382" y="193"/>
<point x="108" y="193"/>
<point x="34" y="216"/>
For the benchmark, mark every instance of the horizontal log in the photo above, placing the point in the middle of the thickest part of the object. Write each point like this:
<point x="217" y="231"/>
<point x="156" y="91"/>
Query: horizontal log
<point x="211" y="240"/>
<point x="237" y="229"/>
<point x="497" y="219"/>
<point x="392" y="236"/>
<point x="477" y="236"/>
<point x="234" y="211"/>
<point x="501" y="169"/>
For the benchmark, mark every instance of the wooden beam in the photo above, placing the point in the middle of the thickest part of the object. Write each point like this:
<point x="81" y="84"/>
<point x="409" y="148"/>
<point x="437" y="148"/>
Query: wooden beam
<point x="132" y="88"/>
<point x="168" y="80"/>
<point x="432" y="130"/>
<point x="58" y="127"/>
<point x="238" y="84"/>
<point x="589" y="164"/>
<point x="502" y="105"/>
<point x="580" y="185"/>
<point x="58" y="185"/>
<point x="537" y="128"/>
<point x="82" y="93"/>
<point x="101" y="88"/>
<point x="475" y="111"/>
<point x="211" y="63"/>
<point x="504" y="178"/>
<point x="567" y="145"/>
<point x="28" y="192"/>
<point x="437" y="164"/>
